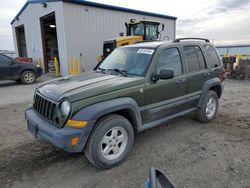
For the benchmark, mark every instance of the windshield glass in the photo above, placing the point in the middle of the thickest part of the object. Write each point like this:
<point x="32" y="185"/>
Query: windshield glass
<point x="151" y="32"/>
<point x="132" y="61"/>
<point x="137" y="29"/>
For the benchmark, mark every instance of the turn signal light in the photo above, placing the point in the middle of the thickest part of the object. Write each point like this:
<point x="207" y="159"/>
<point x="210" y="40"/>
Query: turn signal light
<point x="74" y="140"/>
<point x="76" y="123"/>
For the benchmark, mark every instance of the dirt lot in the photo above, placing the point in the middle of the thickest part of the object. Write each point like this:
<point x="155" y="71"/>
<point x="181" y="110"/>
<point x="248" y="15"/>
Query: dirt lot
<point x="192" y="154"/>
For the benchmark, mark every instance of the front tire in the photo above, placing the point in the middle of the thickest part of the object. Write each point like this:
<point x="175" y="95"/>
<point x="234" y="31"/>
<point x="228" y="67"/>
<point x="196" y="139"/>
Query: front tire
<point x="18" y="81"/>
<point x="110" y="142"/>
<point x="28" y="77"/>
<point x="207" y="112"/>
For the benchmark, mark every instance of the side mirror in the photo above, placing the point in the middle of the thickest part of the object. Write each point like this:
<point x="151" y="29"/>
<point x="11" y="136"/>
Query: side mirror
<point x="164" y="75"/>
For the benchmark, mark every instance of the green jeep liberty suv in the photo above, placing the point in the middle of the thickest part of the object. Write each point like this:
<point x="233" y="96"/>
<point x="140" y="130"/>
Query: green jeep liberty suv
<point x="137" y="87"/>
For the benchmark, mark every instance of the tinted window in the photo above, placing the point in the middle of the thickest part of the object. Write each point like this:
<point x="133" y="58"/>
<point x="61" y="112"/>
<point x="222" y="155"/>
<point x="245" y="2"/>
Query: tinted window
<point x="191" y="58"/>
<point x="170" y="59"/>
<point x="212" y="56"/>
<point x="4" y="59"/>
<point x="200" y="58"/>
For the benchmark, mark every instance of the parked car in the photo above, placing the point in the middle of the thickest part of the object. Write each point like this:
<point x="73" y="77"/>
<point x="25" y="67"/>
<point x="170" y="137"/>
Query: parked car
<point x="137" y="87"/>
<point x="11" y="69"/>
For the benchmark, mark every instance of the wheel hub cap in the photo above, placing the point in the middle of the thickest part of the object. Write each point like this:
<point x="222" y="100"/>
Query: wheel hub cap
<point x="29" y="77"/>
<point x="114" y="143"/>
<point x="211" y="107"/>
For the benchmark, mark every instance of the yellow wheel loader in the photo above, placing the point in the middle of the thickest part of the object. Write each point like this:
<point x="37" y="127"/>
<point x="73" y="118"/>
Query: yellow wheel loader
<point x="137" y="31"/>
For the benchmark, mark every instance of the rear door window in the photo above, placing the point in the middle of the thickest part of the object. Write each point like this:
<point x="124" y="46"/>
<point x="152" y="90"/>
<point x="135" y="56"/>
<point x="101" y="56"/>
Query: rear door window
<point x="194" y="58"/>
<point x="191" y="58"/>
<point x="213" y="58"/>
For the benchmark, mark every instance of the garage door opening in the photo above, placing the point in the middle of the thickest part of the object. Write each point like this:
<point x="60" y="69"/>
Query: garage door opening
<point x="21" y="41"/>
<point x="49" y="40"/>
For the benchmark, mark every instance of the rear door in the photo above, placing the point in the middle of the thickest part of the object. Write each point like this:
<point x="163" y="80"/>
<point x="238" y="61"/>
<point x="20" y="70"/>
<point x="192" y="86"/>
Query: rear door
<point x="166" y="97"/>
<point x="198" y="73"/>
<point x="214" y="63"/>
<point x="4" y="67"/>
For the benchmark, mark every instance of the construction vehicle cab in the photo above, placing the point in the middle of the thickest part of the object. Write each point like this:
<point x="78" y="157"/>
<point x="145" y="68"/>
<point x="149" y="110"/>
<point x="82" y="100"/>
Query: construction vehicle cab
<point x="147" y="29"/>
<point x="136" y="31"/>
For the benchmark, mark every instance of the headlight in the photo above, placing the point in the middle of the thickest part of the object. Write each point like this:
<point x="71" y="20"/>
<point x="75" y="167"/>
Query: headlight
<point x="37" y="65"/>
<point x="65" y="108"/>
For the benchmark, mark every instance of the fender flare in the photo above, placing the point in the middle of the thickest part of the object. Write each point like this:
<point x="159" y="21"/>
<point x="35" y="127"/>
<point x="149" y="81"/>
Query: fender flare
<point x="95" y="111"/>
<point x="206" y="87"/>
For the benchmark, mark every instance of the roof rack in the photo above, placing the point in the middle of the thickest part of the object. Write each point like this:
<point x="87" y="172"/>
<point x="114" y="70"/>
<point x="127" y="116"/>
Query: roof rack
<point x="179" y="39"/>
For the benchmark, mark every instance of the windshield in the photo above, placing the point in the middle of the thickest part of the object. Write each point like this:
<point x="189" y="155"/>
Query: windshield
<point x="151" y="32"/>
<point x="132" y="61"/>
<point x="137" y="29"/>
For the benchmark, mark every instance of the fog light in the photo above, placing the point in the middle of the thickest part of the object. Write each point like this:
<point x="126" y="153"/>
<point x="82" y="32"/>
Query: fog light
<point x="76" y="123"/>
<point x="74" y="140"/>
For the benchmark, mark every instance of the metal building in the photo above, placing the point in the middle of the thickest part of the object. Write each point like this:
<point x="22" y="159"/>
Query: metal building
<point x="67" y="28"/>
<point x="244" y="50"/>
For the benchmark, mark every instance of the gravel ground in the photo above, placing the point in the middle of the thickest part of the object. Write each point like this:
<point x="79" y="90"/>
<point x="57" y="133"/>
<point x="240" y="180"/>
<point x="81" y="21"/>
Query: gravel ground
<point x="192" y="154"/>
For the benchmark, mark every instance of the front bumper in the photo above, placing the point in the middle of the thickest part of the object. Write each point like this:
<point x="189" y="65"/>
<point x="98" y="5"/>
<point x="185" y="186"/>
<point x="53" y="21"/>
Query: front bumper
<point x="58" y="137"/>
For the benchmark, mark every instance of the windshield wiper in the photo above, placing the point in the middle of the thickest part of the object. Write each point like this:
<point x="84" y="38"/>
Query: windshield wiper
<point x="123" y="72"/>
<point x="102" y="70"/>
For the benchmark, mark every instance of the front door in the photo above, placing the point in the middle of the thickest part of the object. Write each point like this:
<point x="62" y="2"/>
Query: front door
<point x="166" y="97"/>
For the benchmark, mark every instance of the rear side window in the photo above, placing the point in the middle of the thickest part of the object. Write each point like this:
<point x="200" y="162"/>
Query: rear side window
<point x="194" y="58"/>
<point x="213" y="58"/>
<point x="4" y="59"/>
<point x="170" y="59"/>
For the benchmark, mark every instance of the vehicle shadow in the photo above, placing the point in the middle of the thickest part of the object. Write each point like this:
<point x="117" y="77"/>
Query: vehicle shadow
<point x="8" y="83"/>
<point x="30" y="157"/>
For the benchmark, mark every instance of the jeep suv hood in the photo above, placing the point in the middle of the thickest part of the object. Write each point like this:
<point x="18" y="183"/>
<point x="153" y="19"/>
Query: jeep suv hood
<point x="86" y="85"/>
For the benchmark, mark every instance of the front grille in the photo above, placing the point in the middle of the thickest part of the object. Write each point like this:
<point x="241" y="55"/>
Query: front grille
<point x="44" y="107"/>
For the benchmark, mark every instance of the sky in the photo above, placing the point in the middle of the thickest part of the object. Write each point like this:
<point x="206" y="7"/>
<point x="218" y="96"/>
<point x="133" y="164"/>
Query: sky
<point x="221" y="21"/>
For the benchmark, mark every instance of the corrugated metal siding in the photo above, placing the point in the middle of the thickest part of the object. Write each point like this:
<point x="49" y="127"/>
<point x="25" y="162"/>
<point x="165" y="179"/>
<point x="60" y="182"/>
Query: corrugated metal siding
<point x="80" y="30"/>
<point x="87" y="28"/>
<point x="30" y="18"/>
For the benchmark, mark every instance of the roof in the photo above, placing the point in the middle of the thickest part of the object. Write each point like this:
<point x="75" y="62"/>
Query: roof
<point x="97" y="5"/>
<point x="157" y="43"/>
<point x="153" y="44"/>
<point x="144" y="21"/>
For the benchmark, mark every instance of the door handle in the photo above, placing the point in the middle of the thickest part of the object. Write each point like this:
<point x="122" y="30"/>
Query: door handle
<point x="207" y="74"/>
<point x="181" y="81"/>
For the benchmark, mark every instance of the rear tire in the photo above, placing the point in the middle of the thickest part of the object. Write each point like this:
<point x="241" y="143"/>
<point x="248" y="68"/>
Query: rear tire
<point x="110" y="142"/>
<point x="207" y="112"/>
<point x="28" y="77"/>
